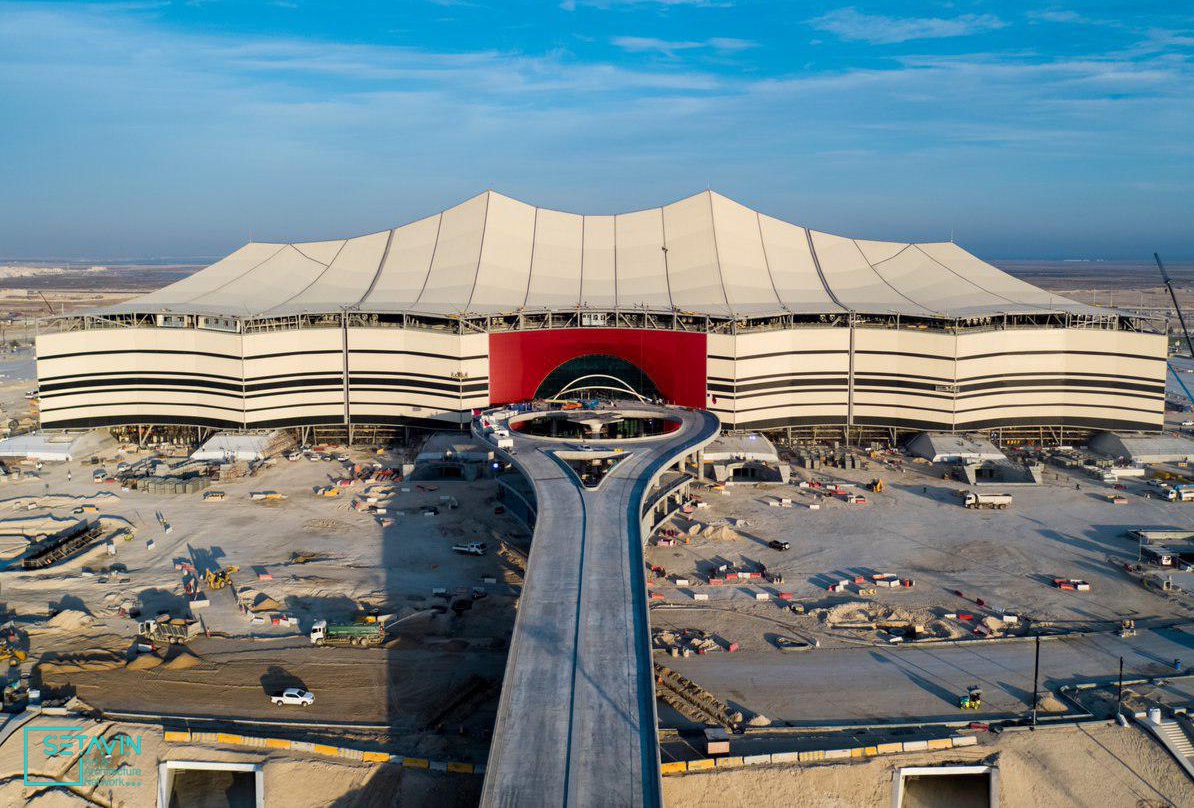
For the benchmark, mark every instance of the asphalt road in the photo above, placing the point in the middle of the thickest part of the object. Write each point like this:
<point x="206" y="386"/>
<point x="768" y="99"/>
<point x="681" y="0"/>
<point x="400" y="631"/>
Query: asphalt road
<point x="576" y="723"/>
<point x="879" y="684"/>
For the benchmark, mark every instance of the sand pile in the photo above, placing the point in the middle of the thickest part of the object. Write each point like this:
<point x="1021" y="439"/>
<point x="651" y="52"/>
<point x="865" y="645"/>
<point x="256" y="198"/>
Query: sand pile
<point x="184" y="660"/>
<point x="721" y="533"/>
<point x="144" y="662"/>
<point x="70" y="620"/>
<point x="760" y="720"/>
<point x="82" y="664"/>
<point x="1051" y="704"/>
<point x="57" y="500"/>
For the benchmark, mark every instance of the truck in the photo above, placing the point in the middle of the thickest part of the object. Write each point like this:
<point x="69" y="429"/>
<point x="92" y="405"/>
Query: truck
<point x="972" y="499"/>
<point x="171" y="631"/>
<point x="475" y="548"/>
<point x="370" y="634"/>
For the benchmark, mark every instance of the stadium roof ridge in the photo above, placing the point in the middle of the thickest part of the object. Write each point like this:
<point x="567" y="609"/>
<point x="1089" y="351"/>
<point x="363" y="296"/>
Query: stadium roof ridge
<point x="705" y="254"/>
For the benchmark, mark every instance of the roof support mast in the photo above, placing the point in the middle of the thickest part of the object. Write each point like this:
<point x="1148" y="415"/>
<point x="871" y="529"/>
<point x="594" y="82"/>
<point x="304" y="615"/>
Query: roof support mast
<point x="1181" y="319"/>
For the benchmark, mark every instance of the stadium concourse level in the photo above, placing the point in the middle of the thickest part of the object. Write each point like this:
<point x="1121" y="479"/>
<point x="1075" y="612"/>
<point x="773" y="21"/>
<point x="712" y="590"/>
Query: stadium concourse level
<point x="702" y="302"/>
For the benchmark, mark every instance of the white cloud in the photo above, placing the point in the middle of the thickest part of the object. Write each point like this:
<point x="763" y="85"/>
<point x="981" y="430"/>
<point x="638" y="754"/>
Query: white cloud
<point x="669" y="48"/>
<point x="853" y="25"/>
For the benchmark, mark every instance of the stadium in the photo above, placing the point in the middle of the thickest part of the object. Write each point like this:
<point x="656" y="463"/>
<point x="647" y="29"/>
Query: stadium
<point x="704" y="303"/>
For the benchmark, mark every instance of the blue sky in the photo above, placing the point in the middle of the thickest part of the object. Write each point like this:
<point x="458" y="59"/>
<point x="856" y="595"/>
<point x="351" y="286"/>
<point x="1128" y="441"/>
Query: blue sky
<point x="143" y="129"/>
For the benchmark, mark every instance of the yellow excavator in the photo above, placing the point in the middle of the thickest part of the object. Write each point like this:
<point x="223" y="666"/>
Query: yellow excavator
<point x="15" y="656"/>
<point x="876" y="485"/>
<point x="218" y="579"/>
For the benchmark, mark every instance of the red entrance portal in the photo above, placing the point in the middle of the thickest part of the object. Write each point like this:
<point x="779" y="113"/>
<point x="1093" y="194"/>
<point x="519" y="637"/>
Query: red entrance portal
<point x="519" y="361"/>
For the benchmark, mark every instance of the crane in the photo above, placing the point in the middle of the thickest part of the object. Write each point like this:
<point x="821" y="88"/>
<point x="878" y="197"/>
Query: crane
<point x="1181" y="319"/>
<point x="43" y="300"/>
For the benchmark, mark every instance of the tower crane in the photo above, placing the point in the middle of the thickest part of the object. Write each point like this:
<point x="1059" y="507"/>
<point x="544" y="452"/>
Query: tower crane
<point x="1181" y="318"/>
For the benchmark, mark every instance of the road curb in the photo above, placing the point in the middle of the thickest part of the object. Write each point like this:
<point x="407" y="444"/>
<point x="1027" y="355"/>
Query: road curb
<point x="817" y="755"/>
<point x="230" y="739"/>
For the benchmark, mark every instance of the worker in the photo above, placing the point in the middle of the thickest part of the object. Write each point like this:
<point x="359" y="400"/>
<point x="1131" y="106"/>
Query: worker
<point x="1077" y="486"/>
<point x="68" y="475"/>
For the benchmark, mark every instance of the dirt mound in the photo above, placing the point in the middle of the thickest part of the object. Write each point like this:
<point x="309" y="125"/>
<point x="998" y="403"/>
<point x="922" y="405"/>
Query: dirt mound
<point x="721" y="533"/>
<point x="760" y="720"/>
<point x="1051" y="704"/>
<point x="144" y="662"/>
<point x="70" y="620"/>
<point x="183" y="660"/>
<point x="81" y="664"/>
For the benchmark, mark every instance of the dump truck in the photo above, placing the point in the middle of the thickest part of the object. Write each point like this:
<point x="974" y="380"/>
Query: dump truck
<point x="971" y="499"/>
<point x="363" y="634"/>
<point x="172" y="631"/>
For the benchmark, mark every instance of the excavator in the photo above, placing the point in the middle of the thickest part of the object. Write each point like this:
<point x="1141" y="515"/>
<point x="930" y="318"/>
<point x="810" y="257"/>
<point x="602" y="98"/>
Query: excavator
<point x="876" y="485"/>
<point x="15" y="656"/>
<point x="218" y="579"/>
<point x="973" y="698"/>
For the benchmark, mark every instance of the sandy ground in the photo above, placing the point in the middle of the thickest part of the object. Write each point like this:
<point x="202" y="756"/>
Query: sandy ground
<point x="359" y="566"/>
<point x="918" y="529"/>
<point x="290" y="779"/>
<point x="1079" y="766"/>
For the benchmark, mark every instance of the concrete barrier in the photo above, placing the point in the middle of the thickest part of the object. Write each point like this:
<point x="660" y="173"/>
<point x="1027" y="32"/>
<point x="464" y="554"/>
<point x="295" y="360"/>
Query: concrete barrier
<point x="323" y="749"/>
<point x="836" y="754"/>
<point x="700" y="765"/>
<point x="226" y="737"/>
<point x="785" y="757"/>
<point x="376" y="757"/>
<point x="964" y="740"/>
<point x="940" y="743"/>
<point x="416" y="763"/>
<point x="755" y="760"/>
<point x="676" y="767"/>
<point x="278" y="743"/>
<point x="810" y="755"/>
<point x="174" y="736"/>
<point x="462" y="768"/>
<point x="889" y="748"/>
<point x="729" y="762"/>
<point x="438" y="766"/>
<point x="915" y="746"/>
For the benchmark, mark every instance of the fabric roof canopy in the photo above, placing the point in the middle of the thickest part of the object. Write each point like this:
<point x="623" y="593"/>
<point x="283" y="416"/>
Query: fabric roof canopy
<point x="705" y="254"/>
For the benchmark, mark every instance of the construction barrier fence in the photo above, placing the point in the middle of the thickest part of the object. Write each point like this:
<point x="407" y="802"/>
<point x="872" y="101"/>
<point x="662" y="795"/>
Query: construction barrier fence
<point x="228" y="739"/>
<point x="817" y="755"/>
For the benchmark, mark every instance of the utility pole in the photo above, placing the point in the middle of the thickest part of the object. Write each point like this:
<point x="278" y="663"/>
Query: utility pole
<point x="1036" y="676"/>
<point x="1119" y="693"/>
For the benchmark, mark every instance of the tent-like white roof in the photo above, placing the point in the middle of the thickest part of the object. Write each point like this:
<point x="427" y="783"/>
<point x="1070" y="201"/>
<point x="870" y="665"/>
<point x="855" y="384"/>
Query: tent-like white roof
<point x="705" y="254"/>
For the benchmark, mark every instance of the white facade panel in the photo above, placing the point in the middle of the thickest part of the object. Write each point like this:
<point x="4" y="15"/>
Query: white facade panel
<point x="742" y="259"/>
<point x="641" y="268"/>
<point x="555" y="271"/>
<point x="599" y="264"/>
<point x="506" y="251"/>
<point x="457" y="257"/>
<point x="694" y="276"/>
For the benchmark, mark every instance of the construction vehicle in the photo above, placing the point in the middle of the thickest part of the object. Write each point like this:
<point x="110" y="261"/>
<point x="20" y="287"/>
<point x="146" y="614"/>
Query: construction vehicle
<point x="328" y="491"/>
<point x="876" y="485"/>
<point x="973" y="698"/>
<point x="15" y="656"/>
<point x="1071" y="584"/>
<point x="213" y="496"/>
<point x="475" y="548"/>
<point x="371" y="634"/>
<point x="1127" y="628"/>
<point x="266" y="495"/>
<point x="218" y="579"/>
<point x="172" y="631"/>
<point x="972" y="499"/>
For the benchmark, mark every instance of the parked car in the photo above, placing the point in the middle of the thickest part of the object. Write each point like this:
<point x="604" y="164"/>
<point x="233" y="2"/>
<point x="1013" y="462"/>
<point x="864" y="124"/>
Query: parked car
<point x="293" y="695"/>
<point x="775" y="544"/>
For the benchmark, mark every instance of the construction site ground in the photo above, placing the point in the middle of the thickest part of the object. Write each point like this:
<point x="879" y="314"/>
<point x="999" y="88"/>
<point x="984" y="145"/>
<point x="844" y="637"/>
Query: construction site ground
<point x="349" y="564"/>
<point x="1071" y="766"/>
<point x="916" y="529"/>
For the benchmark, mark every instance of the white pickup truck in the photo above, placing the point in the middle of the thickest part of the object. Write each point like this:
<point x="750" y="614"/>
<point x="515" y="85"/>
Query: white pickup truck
<point x="293" y="695"/>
